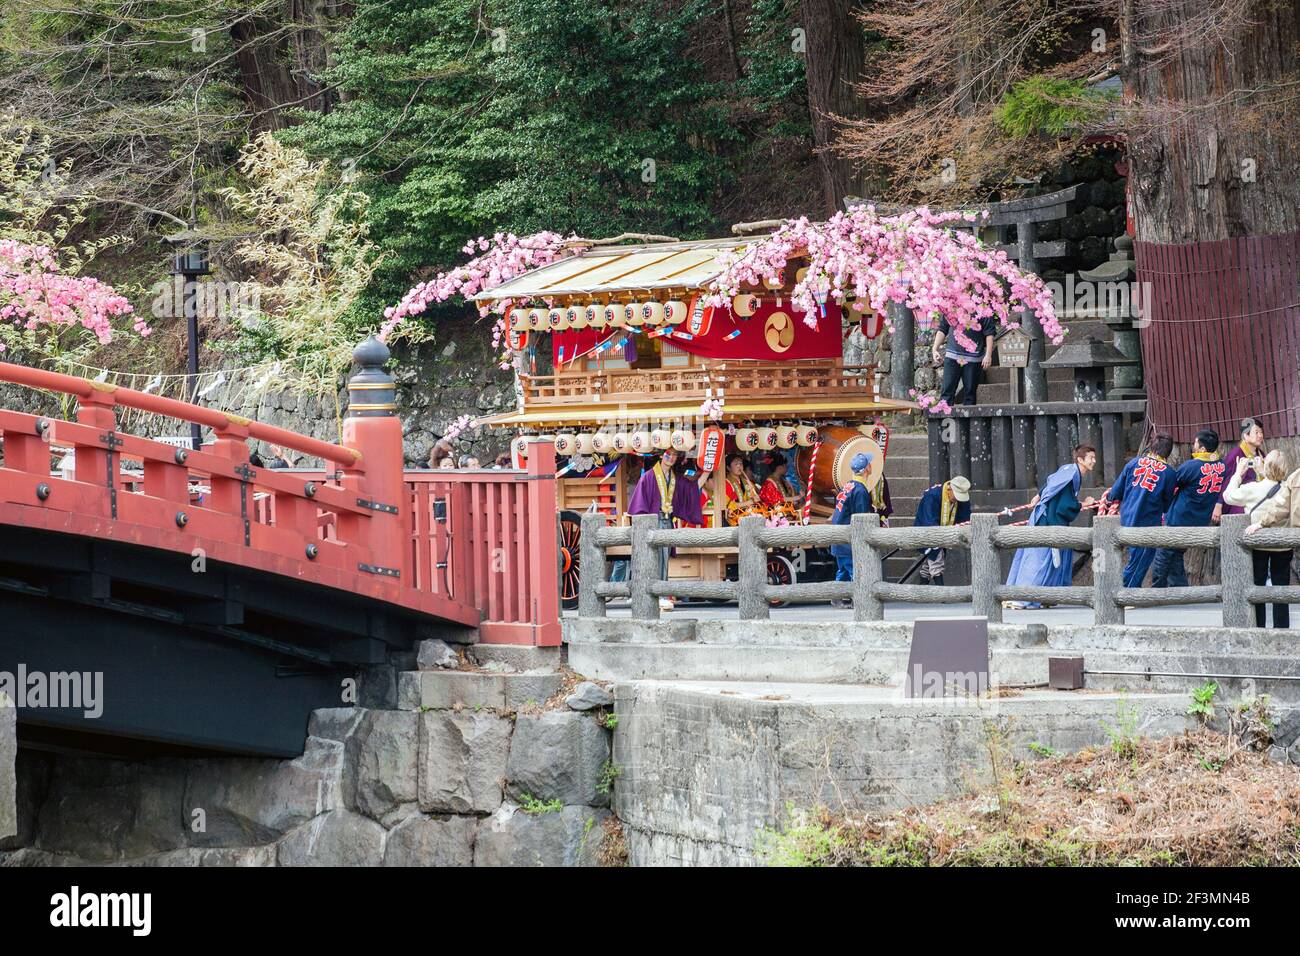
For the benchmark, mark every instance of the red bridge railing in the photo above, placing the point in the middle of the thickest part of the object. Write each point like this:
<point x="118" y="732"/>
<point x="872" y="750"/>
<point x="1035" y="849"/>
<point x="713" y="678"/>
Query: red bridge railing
<point x="474" y="548"/>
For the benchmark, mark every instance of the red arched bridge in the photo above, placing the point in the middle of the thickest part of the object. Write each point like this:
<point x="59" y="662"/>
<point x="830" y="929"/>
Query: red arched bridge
<point x="218" y="603"/>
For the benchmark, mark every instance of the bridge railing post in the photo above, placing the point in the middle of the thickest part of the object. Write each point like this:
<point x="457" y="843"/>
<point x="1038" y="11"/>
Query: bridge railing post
<point x="751" y="561"/>
<point x="1236" y="571"/>
<point x="868" y="569"/>
<point x="373" y="429"/>
<point x="643" y="568"/>
<point x="985" y="568"/>
<point x="591" y="570"/>
<point x="542" y="576"/>
<point x="1107" y="570"/>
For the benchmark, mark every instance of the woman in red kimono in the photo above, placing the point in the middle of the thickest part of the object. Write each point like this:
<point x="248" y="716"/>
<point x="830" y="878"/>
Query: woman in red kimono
<point x="777" y="490"/>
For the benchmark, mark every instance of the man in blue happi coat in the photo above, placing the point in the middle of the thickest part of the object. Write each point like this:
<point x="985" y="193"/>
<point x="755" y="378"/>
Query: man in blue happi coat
<point x="1056" y="504"/>
<point x="1144" y="490"/>
<point x="1198" y="502"/>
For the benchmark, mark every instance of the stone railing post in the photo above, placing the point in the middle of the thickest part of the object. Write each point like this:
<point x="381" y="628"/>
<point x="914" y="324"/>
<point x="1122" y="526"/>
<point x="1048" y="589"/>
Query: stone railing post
<point x="643" y="568"/>
<point x="868" y="569"/>
<point x="1236" y="571"/>
<point x="1107" y="570"/>
<point x="591" y="572"/>
<point x="752" y="570"/>
<point x="985" y="568"/>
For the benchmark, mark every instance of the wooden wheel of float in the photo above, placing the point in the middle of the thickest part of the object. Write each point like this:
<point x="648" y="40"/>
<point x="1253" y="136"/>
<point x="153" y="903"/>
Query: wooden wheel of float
<point x="570" y="557"/>
<point x="780" y="570"/>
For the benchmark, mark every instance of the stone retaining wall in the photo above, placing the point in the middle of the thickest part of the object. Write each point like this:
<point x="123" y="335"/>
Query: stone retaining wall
<point x="490" y="768"/>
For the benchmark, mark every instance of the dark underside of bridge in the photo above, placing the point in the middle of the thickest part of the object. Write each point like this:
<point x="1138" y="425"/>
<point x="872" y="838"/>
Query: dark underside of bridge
<point x="219" y="660"/>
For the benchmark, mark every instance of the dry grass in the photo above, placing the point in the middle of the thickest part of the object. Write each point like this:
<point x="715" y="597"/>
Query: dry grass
<point x="1202" y="799"/>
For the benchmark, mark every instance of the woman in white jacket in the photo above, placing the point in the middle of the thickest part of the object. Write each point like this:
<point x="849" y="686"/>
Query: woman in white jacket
<point x="1274" y="565"/>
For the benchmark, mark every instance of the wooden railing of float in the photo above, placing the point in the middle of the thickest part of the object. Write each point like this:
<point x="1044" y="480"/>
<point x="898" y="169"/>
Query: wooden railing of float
<point x="739" y="379"/>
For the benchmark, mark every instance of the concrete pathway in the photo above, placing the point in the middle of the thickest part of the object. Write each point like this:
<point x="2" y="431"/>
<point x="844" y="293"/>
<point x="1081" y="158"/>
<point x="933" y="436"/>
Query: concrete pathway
<point x="1191" y="615"/>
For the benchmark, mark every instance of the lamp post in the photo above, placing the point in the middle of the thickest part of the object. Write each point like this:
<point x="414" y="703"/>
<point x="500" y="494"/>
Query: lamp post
<point x="190" y="263"/>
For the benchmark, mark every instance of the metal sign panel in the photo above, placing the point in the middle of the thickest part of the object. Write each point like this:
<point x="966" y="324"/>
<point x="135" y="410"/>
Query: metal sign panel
<point x="949" y="658"/>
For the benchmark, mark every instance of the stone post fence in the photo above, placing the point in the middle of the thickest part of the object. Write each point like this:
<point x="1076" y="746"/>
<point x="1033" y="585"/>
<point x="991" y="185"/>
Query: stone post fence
<point x="869" y="591"/>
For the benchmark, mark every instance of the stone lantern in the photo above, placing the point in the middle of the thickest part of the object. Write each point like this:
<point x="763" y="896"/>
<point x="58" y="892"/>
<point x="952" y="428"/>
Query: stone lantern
<point x="1089" y="357"/>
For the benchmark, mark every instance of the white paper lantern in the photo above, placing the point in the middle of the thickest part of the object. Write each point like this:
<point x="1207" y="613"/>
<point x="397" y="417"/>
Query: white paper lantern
<point x="806" y="435"/>
<point x="652" y="313"/>
<point x="577" y="316"/>
<point x="557" y="320"/>
<point x="566" y="444"/>
<point x="586" y="443"/>
<point x="776" y="282"/>
<point x="787" y="436"/>
<point x="602" y="442"/>
<point x="595" y="315"/>
<point x="622" y="443"/>
<point x="632" y="315"/>
<point x="519" y="448"/>
<point x="744" y="305"/>
<point x="641" y="443"/>
<point x="537" y="319"/>
<point x="614" y="316"/>
<point x="661" y="438"/>
<point x="675" y="312"/>
<point x="766" y="438"/>
<point x="683" y="440"/>
<point x="747" y="439"/>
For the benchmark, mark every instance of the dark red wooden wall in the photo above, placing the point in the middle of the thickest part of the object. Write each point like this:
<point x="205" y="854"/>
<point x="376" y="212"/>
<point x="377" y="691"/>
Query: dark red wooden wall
<point x="1221" y="334"/>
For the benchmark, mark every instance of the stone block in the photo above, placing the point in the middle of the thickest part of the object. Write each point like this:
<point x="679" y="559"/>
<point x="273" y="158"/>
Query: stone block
<point x="337" y="838"/>
<point x="436" y="654"/>
<point x="8" y="771"/>
<point x="379" y="767"/>
<point x="462" y="764"/>
<point x="248" y="802"/>
<point x="447" y="690"/>
<point x="430" y="841"/>
<point x="568" y="837"/>
<point x="558" y="755"/>
<point x="588" y="696"/>
<point x="517" y="657"/>
<point x="334" y="723"/>
<point x="103" y="810"/>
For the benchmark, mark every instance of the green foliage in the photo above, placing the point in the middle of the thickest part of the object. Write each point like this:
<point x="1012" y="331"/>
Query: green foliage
<point x="1042" y="750"/>
<point x="462" y="118"/>
<point x="1123" y="734"/>
<point x="611" y="721"/>
<point x="608" y="774"/>
<point x="807" y="839"/>
<point x="535" y="807"/>
<point x="1202" y="706"/>
<point x="1049" y="106"/>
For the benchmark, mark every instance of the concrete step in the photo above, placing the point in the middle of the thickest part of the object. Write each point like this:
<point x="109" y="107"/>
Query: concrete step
<point x="476" y="690"/>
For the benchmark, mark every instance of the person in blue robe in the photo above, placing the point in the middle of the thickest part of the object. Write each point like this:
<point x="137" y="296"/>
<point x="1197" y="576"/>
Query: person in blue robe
<point x="1056" y="504"/>
<point x="1143" y="491"/>
<point x="854" y="498"/>
<point x="1198" y="502"/>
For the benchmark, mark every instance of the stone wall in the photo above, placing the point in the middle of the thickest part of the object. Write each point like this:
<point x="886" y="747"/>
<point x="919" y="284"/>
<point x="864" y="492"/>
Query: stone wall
<point x="8" y="782"/>
<point x="484" y="765"/>
<point x="710" y="768"/>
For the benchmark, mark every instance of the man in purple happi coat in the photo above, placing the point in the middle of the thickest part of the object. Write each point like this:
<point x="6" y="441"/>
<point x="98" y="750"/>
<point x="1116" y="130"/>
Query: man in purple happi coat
<point x="662" y="492"/>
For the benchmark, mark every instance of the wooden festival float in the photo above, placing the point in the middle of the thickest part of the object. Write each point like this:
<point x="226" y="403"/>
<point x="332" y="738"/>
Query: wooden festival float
<point x="639" y="363"/>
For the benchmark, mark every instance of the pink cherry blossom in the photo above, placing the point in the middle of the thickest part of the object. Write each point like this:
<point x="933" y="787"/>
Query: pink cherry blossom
<point x="34" y="292"/>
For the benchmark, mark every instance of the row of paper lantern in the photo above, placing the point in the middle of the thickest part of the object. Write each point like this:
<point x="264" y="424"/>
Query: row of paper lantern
<point x="596" y="316"/>
<point x="661" y="439"/>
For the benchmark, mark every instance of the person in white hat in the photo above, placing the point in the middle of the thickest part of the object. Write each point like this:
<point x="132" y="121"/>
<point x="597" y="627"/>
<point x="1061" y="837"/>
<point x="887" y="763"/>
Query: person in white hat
<point x="942" y="505"/>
